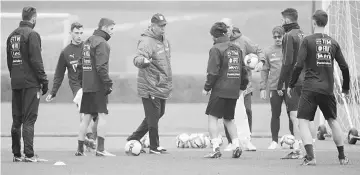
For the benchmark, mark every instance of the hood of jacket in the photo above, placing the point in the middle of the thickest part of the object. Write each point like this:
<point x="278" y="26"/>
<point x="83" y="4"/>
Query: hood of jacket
<point x="149" y="33"/>
<point x="103" y="34"/>
<point x="235" y="34"/>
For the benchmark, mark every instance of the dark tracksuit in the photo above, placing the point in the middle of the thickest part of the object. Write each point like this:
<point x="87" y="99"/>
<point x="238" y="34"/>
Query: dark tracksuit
<point x="154" y="83"/>
<point x="27" y="75"/>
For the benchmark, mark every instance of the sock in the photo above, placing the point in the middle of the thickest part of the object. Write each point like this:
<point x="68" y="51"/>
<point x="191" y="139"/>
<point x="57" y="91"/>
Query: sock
<point x="100" y="143"/>
<point x="89" y="135"/>
<point x="81" y="145"/>
<point x="341" y="152"/>
<point x="309" y="151"/>
<point x="236" y="142"/>
<point x="215" y="143"/>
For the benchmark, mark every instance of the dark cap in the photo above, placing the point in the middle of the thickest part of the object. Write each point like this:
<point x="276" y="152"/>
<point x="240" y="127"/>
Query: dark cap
<point x="219" y="29"/>
<point x="158" y="19"/>
<point x="28" y="12"/>
<point x="105" y="22"/>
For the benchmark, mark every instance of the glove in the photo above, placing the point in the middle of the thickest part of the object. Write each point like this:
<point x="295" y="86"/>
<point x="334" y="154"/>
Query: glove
<point x="108" y="89"/>
<point x="44" y="88"/>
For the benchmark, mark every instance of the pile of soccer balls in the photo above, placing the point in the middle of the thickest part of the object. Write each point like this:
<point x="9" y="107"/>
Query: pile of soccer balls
<point x="195" y="140"/>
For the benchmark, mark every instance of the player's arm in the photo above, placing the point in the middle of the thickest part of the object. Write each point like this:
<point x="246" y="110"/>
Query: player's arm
<point x="299" y="64"/>
<point x="35" y="58"/>
<point x="344" y="69"/>
<point x="265" y="73"/>
<point x="213" y="69"/>
<point x="286" y="68"/>
<point x="59" y="74"/>
<point x="9" y="56"/>
<point x="251" y="47"/>
<point x="102" y="65"/>
<point x="143" y="53"/>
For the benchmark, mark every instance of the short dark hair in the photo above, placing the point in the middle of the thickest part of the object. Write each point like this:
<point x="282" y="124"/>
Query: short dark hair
<point x="28" y="13"/>
<point x="105" y="22"/>
<point x="278" y="29"/>
<point x="320" y="17"/>
<point x="290" y="13"/>
<point x="219" y="29"/>
<point x="76" y="25"/>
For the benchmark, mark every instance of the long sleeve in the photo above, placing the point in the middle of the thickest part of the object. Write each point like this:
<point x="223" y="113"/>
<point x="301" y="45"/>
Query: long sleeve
<point x="288" y="48"/>
<point x="143" y="51"/>
<point x="213" y="69"/>
<point x="8" y="55"/>
<point x="265" y="73"/>
<point x="343" y="67"/>
<point x="299" y="64"/>
<point x="251" y="47"/>
<point x="59" y="74"/>
<point x="102" y="63"/>
<point x="35" y="57"/>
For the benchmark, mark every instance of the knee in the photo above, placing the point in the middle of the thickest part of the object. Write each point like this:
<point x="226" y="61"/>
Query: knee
<point x="227" y="121"/>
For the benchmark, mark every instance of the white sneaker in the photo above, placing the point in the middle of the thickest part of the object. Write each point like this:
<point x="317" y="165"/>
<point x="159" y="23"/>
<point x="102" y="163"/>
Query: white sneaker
<point x="229" y="147"/>
<point x="273" y="145"/>
<point x="104" y="153"/>
<point x="249" y="146"/>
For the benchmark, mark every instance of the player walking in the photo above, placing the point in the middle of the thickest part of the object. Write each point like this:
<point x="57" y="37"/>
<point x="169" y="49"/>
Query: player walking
<point x="154" y="80"/>
<point x="226" y="79"/>
<point x="317" y="54"/>
<point x="247" y="47"/>
<point x="25" y="64"/>
<point x="69" y="60"/>
<point x="96" y="84"/>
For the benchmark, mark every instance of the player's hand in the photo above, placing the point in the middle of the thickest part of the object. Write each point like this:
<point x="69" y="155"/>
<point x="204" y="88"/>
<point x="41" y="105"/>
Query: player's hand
<point x="49" y="98"/>
<point x="289" y="90"/>
<point x="146" y="62"/>
<point x="280" y="93"/>
<point x="259" y="66"/>
<point x="44" y="88"/>
<point x="204" y="92"/>
<point x="263" y="94"/>
<point x="270" y="93"/>
<point x="108" y="89"/>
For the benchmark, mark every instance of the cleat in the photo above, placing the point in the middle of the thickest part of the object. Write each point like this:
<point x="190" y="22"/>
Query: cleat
<point x="249" y="146"/>
<point x="162" y="149"/>
<point x="273" y="145"/>
<point x="237" y="152"/>
<point x="34" y="158"/>
<point x="308" y="162"/>
<point x="90" y="144"/>
<point x="18" y="159"/>
<point x="80" y="153"/>
<point x="104" y="153"/>
<point x="344" y="161"/>
<point x="228" y="148"/>
<point x="155" y="151"/>
<point x="293" y="155"/>
<point x="215" y="154"/>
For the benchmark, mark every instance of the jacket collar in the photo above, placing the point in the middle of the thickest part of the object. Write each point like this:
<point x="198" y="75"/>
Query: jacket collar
<point x="102" y="33"/>
<point x="222" y="39"/>
<point x="26" y="24"/>
<point x="289" y="27"/>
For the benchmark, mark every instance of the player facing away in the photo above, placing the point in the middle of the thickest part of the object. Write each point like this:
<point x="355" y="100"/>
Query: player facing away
<point x="269" y="80"/>
<point x="247" y="47"/>
<point x="28" y="83"/>
<point x="154" y="82"/>
<point x="96" y="84"/>
<point x="317" y="54"/>
<point x="69" y="60"/>
<point x="226" y="79"/>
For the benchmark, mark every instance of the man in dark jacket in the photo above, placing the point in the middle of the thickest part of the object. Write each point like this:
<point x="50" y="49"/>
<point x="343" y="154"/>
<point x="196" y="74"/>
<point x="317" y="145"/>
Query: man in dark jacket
<point x="154" y="83"/>
<point x="226" y="79"/>
<point x="25" y="64"/>
<point x="96" y="84"/>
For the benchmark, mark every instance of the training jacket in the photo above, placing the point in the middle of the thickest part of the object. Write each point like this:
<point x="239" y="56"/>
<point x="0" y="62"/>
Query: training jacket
<point x="25" y="64"/>
<point x="155" y="79"/>
<point x="271" y="70"/>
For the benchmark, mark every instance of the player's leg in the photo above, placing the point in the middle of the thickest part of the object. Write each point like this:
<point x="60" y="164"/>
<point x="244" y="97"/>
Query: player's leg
<point x="275" y="102"/>
<point x="162" y="112"/>
<point x="248" y="146"/>
<point x="31" y="100"/>
<point x="81" y="136"/>
<point x="291" y="125"/>
<point x="327" y="104"/>
<point x="306" y="113"/>
<point x="229" y="147"/>
<point x="91" y="133"/>
<point x="292" y="106"/>
<point x="16" y="124"/>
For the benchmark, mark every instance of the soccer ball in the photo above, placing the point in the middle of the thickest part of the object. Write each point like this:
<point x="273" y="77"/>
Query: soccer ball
<point x="133" y="148"/>
<point x="182" y="140"/>
<point x="197" y="140"/>
<point x="145" y="141"/>
<point x="251" y="60"/>
<point x="287" y="140"/>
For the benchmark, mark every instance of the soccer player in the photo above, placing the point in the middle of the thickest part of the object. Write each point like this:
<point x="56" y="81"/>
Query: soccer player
<point x="28" y="83"/>
<point x="154" y="82"/>
<point x="69" y="60"/>
<point x="269" y="79"/>
<point x="96" y="84"/>
<point x="225" y="81"/>
<point x="247" y="47"/>
<point x="317" y="54"/>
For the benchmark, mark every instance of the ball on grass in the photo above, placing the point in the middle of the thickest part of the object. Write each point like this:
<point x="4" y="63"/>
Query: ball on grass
<point x="133" y="148"/>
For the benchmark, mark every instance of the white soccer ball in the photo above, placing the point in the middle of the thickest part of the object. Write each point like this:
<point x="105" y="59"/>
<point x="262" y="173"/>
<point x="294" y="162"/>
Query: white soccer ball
<point x="182" y="140"/>
<point x="133" y="148"/>
<point x="251" y="60"/>
<point x="287" y="140"/>
<point x="145" y="141"/>
<point x="197" y="140"/>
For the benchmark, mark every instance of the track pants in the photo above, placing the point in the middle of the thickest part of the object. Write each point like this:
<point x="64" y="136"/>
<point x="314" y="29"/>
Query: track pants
<point x="247" y="103"/>
<point x="25" y="105"/>
<point x="154" y="109"/>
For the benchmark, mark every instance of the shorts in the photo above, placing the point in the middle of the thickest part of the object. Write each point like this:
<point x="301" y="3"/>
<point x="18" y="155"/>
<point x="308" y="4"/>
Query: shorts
<point x="309" y="101"/>
<point x="292" y="102"/>
<point x="221" y="107"/>
<point x="94" y="103"/>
